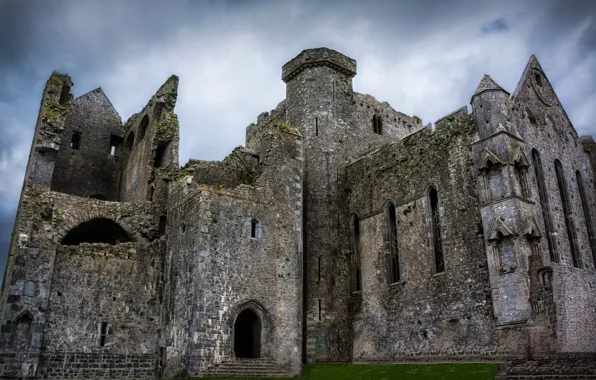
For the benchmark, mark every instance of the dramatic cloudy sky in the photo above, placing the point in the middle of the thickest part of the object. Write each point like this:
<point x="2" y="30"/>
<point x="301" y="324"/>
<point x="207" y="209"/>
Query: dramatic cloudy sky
<point x="425" y="57"/>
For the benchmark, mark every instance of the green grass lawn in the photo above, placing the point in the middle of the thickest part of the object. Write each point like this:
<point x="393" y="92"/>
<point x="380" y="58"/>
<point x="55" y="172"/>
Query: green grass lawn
<point x="443" y="371"/>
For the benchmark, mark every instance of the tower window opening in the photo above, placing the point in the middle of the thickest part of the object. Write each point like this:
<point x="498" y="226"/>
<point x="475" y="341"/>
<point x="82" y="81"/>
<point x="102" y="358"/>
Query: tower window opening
<point x="64" y="95"/>
<point x="103" y="334"/>
<point x="75" y="141"/>
<point x="115" y="145"/>
<point x="538" y="78"/>
<point x="255" y="229"/>
<point x="377" y="125"/>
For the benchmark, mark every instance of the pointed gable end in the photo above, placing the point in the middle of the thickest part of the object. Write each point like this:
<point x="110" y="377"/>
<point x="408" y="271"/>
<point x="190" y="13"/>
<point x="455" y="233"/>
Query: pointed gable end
<point x="99" y="97"/>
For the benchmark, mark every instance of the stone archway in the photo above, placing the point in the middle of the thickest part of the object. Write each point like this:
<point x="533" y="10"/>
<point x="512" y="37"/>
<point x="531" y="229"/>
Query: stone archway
<point x="247" y="335"/>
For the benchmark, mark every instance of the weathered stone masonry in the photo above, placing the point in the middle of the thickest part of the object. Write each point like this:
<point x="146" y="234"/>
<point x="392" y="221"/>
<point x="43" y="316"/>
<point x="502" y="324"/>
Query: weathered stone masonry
<point x="344" y="231"/>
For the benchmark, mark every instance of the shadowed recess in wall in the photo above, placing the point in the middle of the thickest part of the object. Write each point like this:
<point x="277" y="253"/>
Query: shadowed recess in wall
<point x="100" y="230"/>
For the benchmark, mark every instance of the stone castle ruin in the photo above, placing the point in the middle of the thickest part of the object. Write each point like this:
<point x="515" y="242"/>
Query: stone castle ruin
<point x="344" y="231"/>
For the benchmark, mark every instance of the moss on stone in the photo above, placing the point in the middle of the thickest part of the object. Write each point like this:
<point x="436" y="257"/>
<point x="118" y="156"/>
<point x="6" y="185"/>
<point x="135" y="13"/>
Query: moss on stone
<point x="288" y="128"/>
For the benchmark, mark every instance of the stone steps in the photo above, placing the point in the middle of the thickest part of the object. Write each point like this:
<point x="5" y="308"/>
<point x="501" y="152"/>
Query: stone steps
<point x="246" y="367"/>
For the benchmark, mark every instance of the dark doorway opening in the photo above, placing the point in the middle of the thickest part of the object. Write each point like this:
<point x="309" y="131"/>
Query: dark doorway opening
<point x="247" y="335"/>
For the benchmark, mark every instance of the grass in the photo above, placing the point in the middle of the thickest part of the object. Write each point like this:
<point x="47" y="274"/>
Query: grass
<point x="443" y="371"/>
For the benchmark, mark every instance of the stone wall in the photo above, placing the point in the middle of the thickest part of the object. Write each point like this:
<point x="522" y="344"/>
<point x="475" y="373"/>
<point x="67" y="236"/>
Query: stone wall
<point x="427" y="313"/>
<point x="88" y="168"/>
<point x="216" y="269"/>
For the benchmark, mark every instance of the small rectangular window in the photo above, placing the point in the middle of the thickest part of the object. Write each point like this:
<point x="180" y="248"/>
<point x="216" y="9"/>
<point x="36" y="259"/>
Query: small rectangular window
<point x="115" y="145"/>
<point x="75" y="141"/>
<point x="255" y="229"/>
<point x="103" y="334"/>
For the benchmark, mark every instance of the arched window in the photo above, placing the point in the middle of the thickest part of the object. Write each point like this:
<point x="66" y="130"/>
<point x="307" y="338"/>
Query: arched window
<point x="571" y="234"/>
<point x="377" y="125"/>
<point x="143" y="127"/>
<point x="75" y="141"/>
<point x="356" y="270"/>
<point x="589" y="227"/>
<point x="130" y="140"/>
<point x="548" y="223"/>
<point x="439" y="259"/>
<point x="100" y="230"/>
<point x="393" y="253"/>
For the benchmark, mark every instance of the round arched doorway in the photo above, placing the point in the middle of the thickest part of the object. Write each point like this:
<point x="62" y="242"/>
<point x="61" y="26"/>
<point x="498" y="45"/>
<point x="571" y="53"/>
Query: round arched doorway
<point x="247" y="335"/>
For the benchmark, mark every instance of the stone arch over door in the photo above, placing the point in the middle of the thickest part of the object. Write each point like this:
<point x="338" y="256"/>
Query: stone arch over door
<point x="250" y="315"/>
<point x="104" y="211"/>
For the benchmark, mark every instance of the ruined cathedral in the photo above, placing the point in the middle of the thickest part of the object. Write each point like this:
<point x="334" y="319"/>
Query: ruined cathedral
<point x="344" y="231"/>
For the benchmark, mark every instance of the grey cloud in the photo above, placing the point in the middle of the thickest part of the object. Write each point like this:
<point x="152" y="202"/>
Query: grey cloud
<point x="497" y="25"/>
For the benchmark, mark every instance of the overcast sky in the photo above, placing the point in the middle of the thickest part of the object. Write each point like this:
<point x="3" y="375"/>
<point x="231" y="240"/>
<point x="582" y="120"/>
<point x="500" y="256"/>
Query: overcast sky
<point x="425" y="57"/>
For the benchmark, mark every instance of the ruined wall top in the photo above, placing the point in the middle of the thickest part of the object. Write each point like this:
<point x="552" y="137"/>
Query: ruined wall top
<point x="318" y="57"/>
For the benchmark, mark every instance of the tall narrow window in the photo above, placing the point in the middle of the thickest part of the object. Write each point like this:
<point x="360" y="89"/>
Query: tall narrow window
<point x="356" y="272"/>
<point x="103" y="334"/>
<point x="589" y="227"/>
<point x="75" y="141"/>
<point x="394" y="257"/>
<point x="316" y="126"/>
<point x="548" y="223"/>
<point x="163" y="221"/>
<point x="115" y="145"/>
<point x="436" y="231"/>
<point x="377" y="125"/>
<point x="571" y="234"/>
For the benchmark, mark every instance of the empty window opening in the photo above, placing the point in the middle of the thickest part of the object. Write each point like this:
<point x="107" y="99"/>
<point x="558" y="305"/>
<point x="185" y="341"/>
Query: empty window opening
<point x="377" y="124"/>
<point x="100" y="230"/>
<point x="130" y="140"/>
<point x="316" y="126"/>
<point x="255" y="229"/>
<point x="30" y="289"/>
<point x="247" y="335"/>
<point x="163" y="220"/>
<point x="115" y="145"/>
<point x="143" y="127"/>
<point x="103" y="334"/>
<point x="544" y="202"/>
<point x="586" y="209"/>
<point x="538" y="78"/>
<point x="21" y="331"/>
<point x="160" y="154"/>
<point x="64" y="95"/>
<point x="439" y="262"/>
<point x="393" y="252"/>
<point x="75" y="141"/>
<point x="356" y="274"/>
<point x="320" y="309"/>
<point x="98" y="196"/>
<point x="571" y="233"/>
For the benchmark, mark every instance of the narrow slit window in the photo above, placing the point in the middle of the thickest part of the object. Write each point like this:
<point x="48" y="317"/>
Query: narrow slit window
<point x="356" y="269"/>
<point x="544" y="202"/>
<point x="320" y="309"/>
<point x="569" y="225"/>
<point x="439" y="257"/>
<point x="393" y="251"/>
<point x="586" y="209"/>
<point x="75" y="141"/>
<point x="319" y="269"/>
<point x="316" y="126"/>
<point x="103" y="334"/>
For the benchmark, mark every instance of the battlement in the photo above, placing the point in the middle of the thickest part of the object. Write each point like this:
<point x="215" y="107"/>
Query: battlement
<point x="318" y="57"/>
